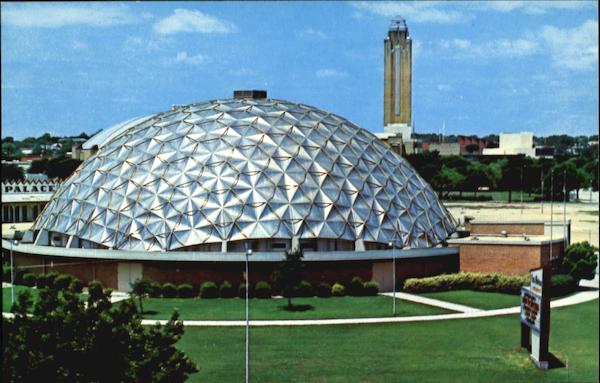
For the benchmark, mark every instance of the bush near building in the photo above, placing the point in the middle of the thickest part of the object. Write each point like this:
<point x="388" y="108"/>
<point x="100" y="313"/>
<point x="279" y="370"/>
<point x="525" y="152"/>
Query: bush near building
<point x="305" y="290"/>
<point x="510" y="284"/>
<point x="209" y="290"/>
<point x="338" y="290"/>
<point x="579" y="261"/>
<point x="262" y="290"/>
<point x="169" y="290"/>
<point x="356" y="287"/>
<point x="226" y="290"/>
<point x="185" y="290"/>
<point x="371" y="288"/>
<point x="242" y="291"/>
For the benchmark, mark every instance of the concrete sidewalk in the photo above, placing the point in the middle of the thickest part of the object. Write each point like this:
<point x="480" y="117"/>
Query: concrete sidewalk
<point x="433" y="302"/>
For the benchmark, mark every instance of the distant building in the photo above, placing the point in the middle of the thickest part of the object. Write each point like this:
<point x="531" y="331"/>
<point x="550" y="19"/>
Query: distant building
<point x="512" y="144"/>
<point x="444" y="148"/>
<point x="471" y="145"/>
<point x="23" y="201"/>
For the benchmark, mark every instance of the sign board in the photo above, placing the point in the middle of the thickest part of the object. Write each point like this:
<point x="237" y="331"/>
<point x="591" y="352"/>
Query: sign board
<point x="531" y="304"/>
<point x="535" y="316"/>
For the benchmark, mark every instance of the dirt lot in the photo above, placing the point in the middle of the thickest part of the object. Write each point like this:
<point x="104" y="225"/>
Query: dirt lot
<point x="583" y="216"/>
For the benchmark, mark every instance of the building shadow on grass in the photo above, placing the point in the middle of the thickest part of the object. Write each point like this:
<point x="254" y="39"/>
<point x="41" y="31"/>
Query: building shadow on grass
<point x="297" y="308"/>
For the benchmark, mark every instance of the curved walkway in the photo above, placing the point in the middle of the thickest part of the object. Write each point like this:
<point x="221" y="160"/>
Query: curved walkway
<point x="581" y="297"/>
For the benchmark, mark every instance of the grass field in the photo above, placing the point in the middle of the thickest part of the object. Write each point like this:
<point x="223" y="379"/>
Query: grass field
<point x="477" y="299"/>
<point x="322" y="308"/>
<point x="467" y="350"/>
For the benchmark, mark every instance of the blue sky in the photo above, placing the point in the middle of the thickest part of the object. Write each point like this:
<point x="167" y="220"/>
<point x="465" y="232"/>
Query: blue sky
<point x="480" y="67"/>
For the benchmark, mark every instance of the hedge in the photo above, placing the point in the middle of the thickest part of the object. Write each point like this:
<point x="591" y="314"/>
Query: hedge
<point x="242" y="291"/>
<point x="371" y="288"/>
<point x="262" y="290"/>
<point x="169" y="290"/>
<point x="562" y="284"/>
<point x="226" y="290"/>
<point x="185" y="291"/>
<point x="510" y="284"/>
<point x="209" y="290"/>
<point x="338" y="290"/>
<point x="305" y="289"/>
<point x="356" y="287"/>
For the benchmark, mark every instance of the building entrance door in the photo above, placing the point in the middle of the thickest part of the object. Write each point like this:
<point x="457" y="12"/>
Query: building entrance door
<point x="127" y="273"/>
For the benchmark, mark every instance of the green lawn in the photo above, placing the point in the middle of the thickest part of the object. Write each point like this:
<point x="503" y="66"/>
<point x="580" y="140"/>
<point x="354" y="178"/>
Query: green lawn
<point x="322" y="308"/>
<point x="466" y="350"/>
<point x="6" y="296"/>
<point x="477" y="299"/>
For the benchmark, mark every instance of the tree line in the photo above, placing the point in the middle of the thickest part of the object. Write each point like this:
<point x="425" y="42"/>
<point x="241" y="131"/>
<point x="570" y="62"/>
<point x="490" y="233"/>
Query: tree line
<point x="509" y="174"/>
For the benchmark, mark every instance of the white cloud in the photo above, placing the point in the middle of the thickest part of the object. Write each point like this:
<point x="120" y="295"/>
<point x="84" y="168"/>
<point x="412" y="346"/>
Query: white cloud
<point x="444" y="87"/>
<point x="143" y="45"/>
<point x="184" y="58"/>
<point x="415" y="11"/>
<point x="570" y="48"/>
<point x="39" y="15"/>
<point x="575" y="48"/>
<point x="532" y="7"/>
<point x="494" y="48"/>
<point x="328" y="72"/>
<point x="79" y="45"/>
<point x="184" y="20"/>
<point x="313" y="33"/>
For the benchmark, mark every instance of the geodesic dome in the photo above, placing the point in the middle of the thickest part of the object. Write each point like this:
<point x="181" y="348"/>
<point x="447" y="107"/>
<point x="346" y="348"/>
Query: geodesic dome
<point x="236" y="169"/>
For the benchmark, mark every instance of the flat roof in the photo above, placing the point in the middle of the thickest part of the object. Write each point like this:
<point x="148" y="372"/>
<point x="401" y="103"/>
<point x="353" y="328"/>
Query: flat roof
<point x="491" y="239"/>
<point x="197" y="256"/>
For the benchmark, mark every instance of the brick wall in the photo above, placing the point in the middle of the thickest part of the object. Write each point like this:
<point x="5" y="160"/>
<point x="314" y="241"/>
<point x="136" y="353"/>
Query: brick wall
<point x="506" y="259"/>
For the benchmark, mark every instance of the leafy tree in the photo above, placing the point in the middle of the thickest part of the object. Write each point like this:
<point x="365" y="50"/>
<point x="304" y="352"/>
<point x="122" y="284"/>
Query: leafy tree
<point x="446" y="180"/>
<point x="478" y="175"/>
<point x="10" y="150"/>
<point x="289" y="274"/>
<point x="38" y="166"/>
<point x="580" y="261"/>
<point x="11" y="172"/>
<point x="140" y="288"/>
<point x="576" y="178"/>
<point x="67" y="341"/>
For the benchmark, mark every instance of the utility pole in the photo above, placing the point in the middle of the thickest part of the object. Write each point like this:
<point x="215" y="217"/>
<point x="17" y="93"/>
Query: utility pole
<point x="542" y="195"/>
<point x="551" y="209"/>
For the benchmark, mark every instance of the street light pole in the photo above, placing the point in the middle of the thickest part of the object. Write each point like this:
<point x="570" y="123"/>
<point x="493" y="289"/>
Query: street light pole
<point x="248" y="253"/>
<point x="391" y="244"/>
<point x="12" y="273"/>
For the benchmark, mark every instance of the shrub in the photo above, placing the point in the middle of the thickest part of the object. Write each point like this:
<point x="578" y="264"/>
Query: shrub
<point x="76" y="285"/>
<point x="18" y="274"/>
<point x="95" y="289"/>
<point x="242" y="291"/>
<point x="29" y="279"/>
<point x="371" y="288"/>
<point x="324" y="290"/>
<point x="580" y="261"/>
<point x="185" y="290"/>
<point x="562" y="284"/>
<point x="338" y="290"/>
<point x="209" y="290"/>
<point x="356" y="287"/>
<point x="169" y="290"/>
<point x="305" y="289"/>
<point x="46" y="280"/>
<point x="226" y="290"/>
<point x="473" y="281"/>
<point x="154" y="289"/>
<point x="262" y="290"/>
<point x="62" y="282"/>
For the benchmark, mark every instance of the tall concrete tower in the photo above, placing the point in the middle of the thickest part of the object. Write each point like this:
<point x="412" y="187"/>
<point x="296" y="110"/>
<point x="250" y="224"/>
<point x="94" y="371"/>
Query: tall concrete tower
<point x="397" y="89"/>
